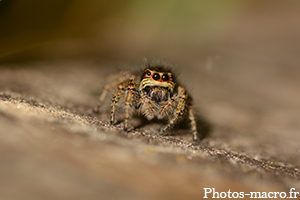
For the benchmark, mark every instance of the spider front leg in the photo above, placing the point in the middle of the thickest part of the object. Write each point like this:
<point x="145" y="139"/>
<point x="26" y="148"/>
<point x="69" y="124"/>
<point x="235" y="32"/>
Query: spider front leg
<point x="182" y="98"/>
<point x="115" y="100"/>
<point x="165" y="109"/>
<point x="182" y="101"/>
<point x="129" y="102"/>
<point x="130" y="87"/>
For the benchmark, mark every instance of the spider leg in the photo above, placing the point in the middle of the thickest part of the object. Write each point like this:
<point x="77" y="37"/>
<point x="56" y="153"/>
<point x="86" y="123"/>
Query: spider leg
<point x="111" y="86"/>
<point x="182" y="99"/>
<point x="150" y="109"/>
<point x="165" y="109"/>
<point x="114" y="101"/>
<point x="129" y="101"/>
<point x="193" y="123"/>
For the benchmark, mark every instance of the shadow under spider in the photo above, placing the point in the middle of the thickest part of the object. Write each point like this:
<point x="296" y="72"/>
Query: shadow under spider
<point x="204" y="127"/>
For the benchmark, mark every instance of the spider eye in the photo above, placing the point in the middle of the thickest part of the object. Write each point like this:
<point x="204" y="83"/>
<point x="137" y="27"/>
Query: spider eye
<point x="148" y="73"/>
<point x="156" y="76"/>
<point x="165" y="77"/>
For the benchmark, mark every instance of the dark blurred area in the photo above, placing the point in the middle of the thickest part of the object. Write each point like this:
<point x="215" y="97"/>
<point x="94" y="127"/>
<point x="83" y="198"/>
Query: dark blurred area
<point x="35" y="29"/>
<point x="59" y="29"/>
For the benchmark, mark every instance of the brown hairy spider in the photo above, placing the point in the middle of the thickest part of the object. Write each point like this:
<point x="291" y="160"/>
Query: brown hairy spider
<point x="155" y="94"/>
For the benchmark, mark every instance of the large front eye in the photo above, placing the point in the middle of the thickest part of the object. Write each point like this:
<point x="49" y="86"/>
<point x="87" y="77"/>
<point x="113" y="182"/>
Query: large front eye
<point x="156" y="76"/>
<point x="165" y="77"/>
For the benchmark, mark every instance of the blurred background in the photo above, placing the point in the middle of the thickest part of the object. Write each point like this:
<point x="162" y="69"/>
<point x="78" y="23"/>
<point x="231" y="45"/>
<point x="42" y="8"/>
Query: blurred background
<point x="133" y="29"/>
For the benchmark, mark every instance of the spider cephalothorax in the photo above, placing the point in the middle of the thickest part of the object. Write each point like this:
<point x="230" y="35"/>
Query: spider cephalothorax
<point x="155" y="94"/>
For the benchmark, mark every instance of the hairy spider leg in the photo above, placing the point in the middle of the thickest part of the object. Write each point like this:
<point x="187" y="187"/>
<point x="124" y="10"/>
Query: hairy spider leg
<point x="129" y="101"/>
<point x="164" y="110"/>
<point x="193" y="123"/>
<point x="182" y="98"/>
<point x="149" y="110"/>
<point x="111" y="86"/>
<point x="115" y="99"/>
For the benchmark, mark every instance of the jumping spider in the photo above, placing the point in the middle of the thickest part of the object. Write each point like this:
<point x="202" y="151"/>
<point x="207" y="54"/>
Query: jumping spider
<point x="155" y="94"/>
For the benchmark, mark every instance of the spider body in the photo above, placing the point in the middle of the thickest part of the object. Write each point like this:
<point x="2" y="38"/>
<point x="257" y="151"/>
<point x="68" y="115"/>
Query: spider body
<point x="154" y="94"/>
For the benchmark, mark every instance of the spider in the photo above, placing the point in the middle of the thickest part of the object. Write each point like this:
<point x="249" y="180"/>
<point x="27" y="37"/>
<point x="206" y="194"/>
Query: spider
<point x="154" y="93"/>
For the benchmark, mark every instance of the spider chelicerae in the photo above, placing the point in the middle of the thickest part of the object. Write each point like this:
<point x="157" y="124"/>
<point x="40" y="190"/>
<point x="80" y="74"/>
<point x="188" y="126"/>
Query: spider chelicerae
<point x="154" y="93"/>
